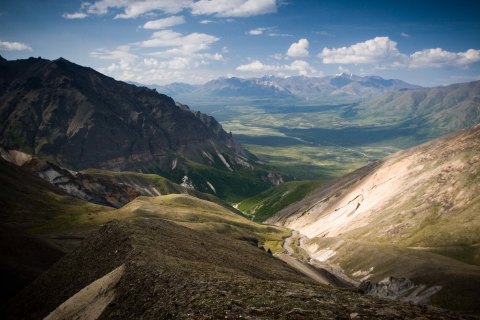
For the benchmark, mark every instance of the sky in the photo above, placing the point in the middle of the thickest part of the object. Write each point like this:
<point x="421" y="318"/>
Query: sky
<point x="163" y="41"/>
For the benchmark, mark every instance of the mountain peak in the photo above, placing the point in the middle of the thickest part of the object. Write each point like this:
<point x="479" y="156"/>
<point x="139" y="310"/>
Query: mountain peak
<point x="344" y="74"/>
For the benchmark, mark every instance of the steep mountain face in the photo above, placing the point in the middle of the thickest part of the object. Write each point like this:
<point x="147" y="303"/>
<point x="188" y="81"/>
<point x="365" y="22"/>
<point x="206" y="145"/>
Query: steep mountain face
<point x="341" y="86"/>
<point x="83" y="119"/>
<point x="79" y="118"/>
<point x="413" y="214"/>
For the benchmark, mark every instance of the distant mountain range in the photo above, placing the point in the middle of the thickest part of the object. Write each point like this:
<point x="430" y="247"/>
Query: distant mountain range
<point x="79" y="119"/>
<point x="340" y="86"/>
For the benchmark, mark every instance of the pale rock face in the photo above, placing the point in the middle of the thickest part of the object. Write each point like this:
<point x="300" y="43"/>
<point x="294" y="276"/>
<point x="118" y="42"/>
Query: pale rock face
<point x="385" y="200"/>
<point x="187" y="183"/>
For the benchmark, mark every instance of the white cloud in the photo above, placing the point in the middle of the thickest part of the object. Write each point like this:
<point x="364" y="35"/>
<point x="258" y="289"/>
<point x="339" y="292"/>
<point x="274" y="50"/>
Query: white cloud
<point x="14" y="46"/>
<point x="75" y="15"/>
<point x="206" y="21"/>
<point x="179" y="61"/>
<point x="121" y="54"/>
<point x="298" y="49"/>
<point x="277" y="56"/>
<point x="257" y="65"/>
<point x="164" y="23"/>
<point x="234" y="8"/>
<point x="441" y="58"/>
<point x="135" y="8"/>
<point x="298" y="66"/>
<point x="257" y="31"/>
<point x="189" y="43"/>
<point x="405" y="35"/>
<point x="383" y="53"/>
<point x="380" y="50"/>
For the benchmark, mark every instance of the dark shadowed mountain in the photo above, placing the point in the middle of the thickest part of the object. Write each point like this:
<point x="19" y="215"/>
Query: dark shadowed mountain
<point x="79" y="118"/>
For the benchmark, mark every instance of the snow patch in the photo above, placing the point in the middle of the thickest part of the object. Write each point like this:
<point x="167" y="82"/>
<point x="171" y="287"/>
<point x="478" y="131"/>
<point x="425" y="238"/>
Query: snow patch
<point x="187" y="183"/>
<point x="224" y="161"/>
<point x="211" y="187"/>
<point x="174" y="164"/>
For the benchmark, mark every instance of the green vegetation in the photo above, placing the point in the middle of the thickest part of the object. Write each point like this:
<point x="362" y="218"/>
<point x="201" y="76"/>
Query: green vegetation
<point x="230" y="186"/>
<point x="42" y="209"/>
<point x="269" y="202"/>
<point x="37" y="206"/>
<point x="197" y="214"/>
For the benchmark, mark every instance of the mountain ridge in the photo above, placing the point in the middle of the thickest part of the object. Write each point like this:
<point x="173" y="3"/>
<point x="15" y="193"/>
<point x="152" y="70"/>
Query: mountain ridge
<point x="294" y="87"/>
<point x="79" y="118"/>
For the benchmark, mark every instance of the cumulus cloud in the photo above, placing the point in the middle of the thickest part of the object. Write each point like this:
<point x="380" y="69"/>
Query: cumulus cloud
<point x="257" y="31"/>
<point x="189" y="43"/>
<point x="233" y="8"/>
<point x="75" y="15"/>
<point x="179" y="55"/>
<point x="121" y="53"/>
<point x="380" y="50"/>
<point x="298" y="49"/>
<point x="164" y="23"/>
<point x="440" y="58"/>
<point x="135" y="8"/>
<point x="299" y="66"/>
<point x="383" y="52"/>
<point x="14" y="46"/>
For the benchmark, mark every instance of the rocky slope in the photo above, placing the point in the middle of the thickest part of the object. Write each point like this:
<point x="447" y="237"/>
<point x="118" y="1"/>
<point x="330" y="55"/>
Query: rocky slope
<point x="413" y="214"/>
<point x="109" y="188"/>
<point x="79" y="119"/>
<point x="159" y="270"/>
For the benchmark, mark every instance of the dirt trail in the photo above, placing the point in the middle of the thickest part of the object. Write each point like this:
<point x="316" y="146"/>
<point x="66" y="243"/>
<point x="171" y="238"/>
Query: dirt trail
<point x="299" y="259"/>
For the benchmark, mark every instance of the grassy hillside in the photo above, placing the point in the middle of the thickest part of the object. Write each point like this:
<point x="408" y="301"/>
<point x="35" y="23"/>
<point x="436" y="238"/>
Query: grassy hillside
<point x="269" y="202"/>
<point x="196" y="214"/>
<point x="34" y="205"/>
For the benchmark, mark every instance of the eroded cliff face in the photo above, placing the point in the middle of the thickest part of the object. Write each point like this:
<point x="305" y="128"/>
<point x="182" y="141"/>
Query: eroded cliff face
<point x="424" y="196"/>
<point x="412" y="215"/>
<point x="82" y="119"/>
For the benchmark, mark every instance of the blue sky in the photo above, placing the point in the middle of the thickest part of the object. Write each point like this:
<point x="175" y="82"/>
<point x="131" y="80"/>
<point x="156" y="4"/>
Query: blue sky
<point x="163" y="41"/>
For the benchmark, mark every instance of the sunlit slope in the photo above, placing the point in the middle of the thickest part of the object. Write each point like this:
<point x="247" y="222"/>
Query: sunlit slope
<point x="197" y="214"/>
<point x="414" y="214"/>
<point x="425" y="196"/>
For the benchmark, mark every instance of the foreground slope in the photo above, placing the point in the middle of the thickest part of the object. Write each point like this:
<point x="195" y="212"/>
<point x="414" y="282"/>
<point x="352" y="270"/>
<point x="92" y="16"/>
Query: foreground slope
<point x="154" y="269"/>
<point x="39" y="222"/>
<point x="413" y="214"/>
